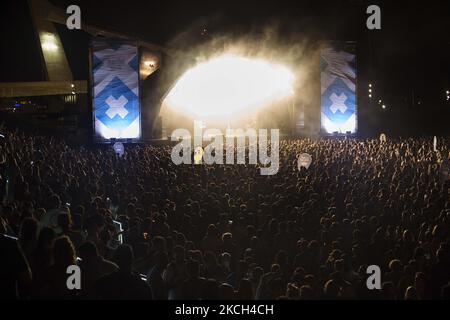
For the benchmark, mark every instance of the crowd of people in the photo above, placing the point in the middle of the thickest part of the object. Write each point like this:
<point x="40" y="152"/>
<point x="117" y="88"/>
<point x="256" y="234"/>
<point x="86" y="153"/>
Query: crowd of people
<point x="224" y="231"/>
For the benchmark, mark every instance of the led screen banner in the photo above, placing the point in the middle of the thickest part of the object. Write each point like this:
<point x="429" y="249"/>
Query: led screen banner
<point x="338" y="89"/>
<point x="115" y="89"/>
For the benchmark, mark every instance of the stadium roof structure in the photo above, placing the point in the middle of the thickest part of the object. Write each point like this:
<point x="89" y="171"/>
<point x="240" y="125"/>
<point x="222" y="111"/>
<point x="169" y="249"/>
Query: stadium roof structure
<point x="58" y="75"/>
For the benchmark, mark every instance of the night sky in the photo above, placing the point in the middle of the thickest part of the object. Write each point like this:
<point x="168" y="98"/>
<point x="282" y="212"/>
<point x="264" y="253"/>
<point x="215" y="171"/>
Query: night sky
<point x="411" y="52"/>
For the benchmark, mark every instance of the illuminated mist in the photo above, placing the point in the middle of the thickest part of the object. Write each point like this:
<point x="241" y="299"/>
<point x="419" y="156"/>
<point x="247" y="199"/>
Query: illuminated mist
<point x="229" y="85"/>
<point x="255" y="79"/>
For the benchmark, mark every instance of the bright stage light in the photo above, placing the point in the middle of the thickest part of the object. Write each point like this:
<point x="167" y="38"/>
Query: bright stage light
<point x="49" y="46"/>
<point x="49" y="42"/>
<point x="149" y="64"/>
<point x="228" y="86"/>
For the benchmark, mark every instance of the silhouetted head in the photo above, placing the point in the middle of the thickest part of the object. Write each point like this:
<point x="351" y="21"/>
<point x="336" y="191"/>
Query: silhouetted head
<point x="124" y="257"/>
<point x="88" y="251"/>
<point x="64" y="252"/>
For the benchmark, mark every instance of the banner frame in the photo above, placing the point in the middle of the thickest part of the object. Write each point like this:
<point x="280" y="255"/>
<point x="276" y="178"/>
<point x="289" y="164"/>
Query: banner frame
<point x="96" y="137"/>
